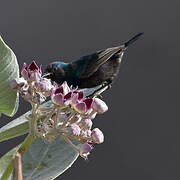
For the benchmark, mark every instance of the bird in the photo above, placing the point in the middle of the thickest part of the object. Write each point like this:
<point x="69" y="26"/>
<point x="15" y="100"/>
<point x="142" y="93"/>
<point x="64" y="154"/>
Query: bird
<point x="98" y="69"/>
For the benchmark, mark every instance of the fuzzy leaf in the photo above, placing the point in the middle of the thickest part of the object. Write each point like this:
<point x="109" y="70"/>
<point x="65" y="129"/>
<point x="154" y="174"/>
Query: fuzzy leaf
<point x="15" y="128"/>
<point x="43" y="160"/>
<point x="47" y="160"/>
<point x="9" y="70"/>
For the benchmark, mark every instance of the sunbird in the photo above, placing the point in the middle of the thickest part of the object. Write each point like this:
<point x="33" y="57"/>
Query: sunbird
<point x="97" y="69"/>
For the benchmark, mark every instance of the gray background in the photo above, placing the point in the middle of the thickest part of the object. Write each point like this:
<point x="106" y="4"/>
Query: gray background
<point x="142" y="125"/>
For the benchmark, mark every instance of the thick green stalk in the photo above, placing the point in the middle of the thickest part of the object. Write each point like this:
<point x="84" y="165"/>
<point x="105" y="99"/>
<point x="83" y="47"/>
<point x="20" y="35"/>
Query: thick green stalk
<point x="33" y="121"/>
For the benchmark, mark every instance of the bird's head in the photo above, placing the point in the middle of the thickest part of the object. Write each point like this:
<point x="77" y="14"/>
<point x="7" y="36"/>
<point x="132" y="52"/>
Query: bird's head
<point x="55" y="70"/>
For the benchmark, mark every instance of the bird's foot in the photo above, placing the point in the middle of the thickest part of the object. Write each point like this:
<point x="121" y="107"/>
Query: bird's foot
<point x="99" y="96"/>
<point x="109" y="86"/>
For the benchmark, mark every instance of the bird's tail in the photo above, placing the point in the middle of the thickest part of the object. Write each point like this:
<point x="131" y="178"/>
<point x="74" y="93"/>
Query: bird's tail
<point x="133" y="39"/>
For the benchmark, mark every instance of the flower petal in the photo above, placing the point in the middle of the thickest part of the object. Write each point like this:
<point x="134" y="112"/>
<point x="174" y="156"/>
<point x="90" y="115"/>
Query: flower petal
<point x="24" y="72"/>
<point x="59" y="90"/>
<point x="88" y="102"/>
<point x="34" y="76"/>
<point x="33" y="67"/>
<point x="74" y="99"/>
<point x="80" y="108"/>
<point x="86" y="149"/>
<point x="80" y="95"/>
<point x="65" y="87"/>
<point x="58" y="99"/>
<point x="68" y="96"/>
<point x="17" y="83"/>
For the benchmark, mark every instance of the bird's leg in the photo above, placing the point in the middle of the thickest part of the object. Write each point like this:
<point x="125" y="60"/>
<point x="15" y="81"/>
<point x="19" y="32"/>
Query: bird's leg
<point x="97" y="93"/>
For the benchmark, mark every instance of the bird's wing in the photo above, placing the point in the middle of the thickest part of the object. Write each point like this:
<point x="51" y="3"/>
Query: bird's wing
<point x="87" y="65"/>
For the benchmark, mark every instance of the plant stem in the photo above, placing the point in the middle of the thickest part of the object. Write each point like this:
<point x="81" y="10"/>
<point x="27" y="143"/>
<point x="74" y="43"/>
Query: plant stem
<point x="49" y="115"/>
<point x="17" y="163"/>
<point x="57" y="117"/>
<point x="33" y="121"/>
<point x="68" y="141"/>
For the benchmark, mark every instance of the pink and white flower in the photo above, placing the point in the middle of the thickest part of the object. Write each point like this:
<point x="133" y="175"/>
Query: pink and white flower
<point x="61" y="95"/>
<point x="83" y="106"/>
<point x="31" y="72"/>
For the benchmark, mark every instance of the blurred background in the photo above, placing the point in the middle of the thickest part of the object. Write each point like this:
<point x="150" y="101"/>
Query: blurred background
<point x="142" y="125"/>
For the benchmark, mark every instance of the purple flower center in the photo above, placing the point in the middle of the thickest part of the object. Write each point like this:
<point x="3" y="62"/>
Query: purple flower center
<point x="68" y="96"/>
<point x="88" y="102"/>
<point x="80" y="95"/>
<point x="59" y="90"/>
<point x="33" y="67"/>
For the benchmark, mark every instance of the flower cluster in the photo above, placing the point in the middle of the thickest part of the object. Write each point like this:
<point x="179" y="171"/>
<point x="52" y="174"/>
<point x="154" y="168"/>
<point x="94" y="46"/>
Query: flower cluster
<point x="69" y="114"/>
<point x="32" y="86"/>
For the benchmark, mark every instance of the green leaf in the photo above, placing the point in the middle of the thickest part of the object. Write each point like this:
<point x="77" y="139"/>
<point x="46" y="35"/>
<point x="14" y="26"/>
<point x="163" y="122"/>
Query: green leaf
<point x="47" y="160"/>
<point x="43" y="160"/>
<point x="17" y="127"/>
<point x="9" y="70"/>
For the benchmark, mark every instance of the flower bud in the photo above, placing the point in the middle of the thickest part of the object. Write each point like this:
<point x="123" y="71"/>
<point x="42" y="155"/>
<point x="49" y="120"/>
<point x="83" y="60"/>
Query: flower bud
<point x="86" y="123"/>
<point x="74" y="129"/>
<point x="86" y="149"/>
<point x="32" y="72"/>
<point x="24" y="72"/>
<point x="99" y="106"/>
<point x="17" y="83"/>
<point x="97" y="136"/>
<point x="44" y="85"/>
<point x="34" y="76"/>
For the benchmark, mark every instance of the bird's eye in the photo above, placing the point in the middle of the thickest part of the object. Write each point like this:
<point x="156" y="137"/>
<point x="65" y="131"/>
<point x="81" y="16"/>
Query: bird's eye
<point x="54" y="68"/>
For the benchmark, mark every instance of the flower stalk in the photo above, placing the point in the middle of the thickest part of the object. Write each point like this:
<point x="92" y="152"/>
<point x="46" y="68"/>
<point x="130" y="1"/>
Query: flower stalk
<point x="33" y="121"/>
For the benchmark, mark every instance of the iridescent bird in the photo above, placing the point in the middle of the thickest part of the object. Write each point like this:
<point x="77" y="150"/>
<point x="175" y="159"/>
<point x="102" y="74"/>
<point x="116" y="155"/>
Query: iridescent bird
<point x="97" y="69"/>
